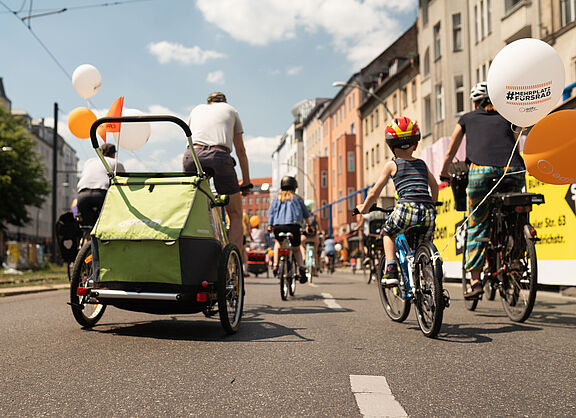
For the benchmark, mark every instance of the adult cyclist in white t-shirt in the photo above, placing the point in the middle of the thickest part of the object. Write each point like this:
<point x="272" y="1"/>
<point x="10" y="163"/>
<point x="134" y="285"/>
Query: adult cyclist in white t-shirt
<point x="216" y="131"/>
<point x="94" y="183"/>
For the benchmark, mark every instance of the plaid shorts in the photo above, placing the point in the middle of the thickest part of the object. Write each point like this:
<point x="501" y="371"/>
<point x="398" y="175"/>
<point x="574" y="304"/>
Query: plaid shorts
<point x="407" y="214"/>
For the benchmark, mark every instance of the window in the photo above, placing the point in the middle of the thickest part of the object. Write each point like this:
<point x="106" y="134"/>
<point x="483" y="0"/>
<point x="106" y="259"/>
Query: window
<point x="324" y="179"/>
<point x="352" y="131"/>
<point x="372" y="122"/>
<point x="372" y="155"/>
<point x="377" y="153"/>
<point x="339" y="164"/>
<point x="427" y="62"/>
<point x="509" y="4"/>
<point x="427" y="115"/>
<point x="249" y="200"/>
<point x="351" y="161"/>
<point x="476" y="24"/>
<point x="437" y="52"/>
<point x="325" y="210"/>
<point x="404" y="97"/>
<point x="395" y="104"/>
<point x="488" y="17"/>
<point x="567" y="11"/>
<point x="457" y="32"/>
<point x="333" y="177"/>
<point x="376" y="118"/>
<point x="414" y="97"/>
<point x="366" y="128"/>
<point x="482" y="20"/>
<point x="257" y="200"/>
<point x="351" y="200"/>
<point x="367" y="159"/>
<point x="439" y="102"/>
<point x="424" y="12"/>
<point x="340" y="203"/>
<point x="459" y="89"/>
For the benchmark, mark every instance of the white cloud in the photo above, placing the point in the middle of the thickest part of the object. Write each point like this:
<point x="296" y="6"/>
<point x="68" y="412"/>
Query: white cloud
<point x="215" y="77"/>
<point x="167" y="52"/>
<point x="294" y="70"/>
<point x="259" y="149"/>
<point x="359" y="28"/>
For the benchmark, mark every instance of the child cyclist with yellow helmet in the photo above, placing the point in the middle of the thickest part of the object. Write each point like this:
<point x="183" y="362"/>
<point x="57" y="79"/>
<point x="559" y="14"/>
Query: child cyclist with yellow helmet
<point x="416" y="188"/>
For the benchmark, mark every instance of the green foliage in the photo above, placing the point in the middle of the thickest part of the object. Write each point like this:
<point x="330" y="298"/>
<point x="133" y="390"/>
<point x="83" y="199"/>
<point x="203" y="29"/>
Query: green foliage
<point x="22" y="181"/>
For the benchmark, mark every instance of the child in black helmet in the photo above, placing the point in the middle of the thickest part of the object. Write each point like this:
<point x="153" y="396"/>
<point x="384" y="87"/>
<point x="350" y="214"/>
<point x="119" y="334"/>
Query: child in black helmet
<point x="411" y="179"/>
<point x="286" y="214"/>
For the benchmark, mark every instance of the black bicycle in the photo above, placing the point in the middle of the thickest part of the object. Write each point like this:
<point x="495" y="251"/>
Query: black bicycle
<point x="287" y="267"/>
<point x="511" y="265"/>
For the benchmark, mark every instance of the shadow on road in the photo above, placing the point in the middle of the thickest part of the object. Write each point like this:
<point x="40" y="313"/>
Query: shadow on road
<point x="255" y="327"/>
<point x="479" y="333"/>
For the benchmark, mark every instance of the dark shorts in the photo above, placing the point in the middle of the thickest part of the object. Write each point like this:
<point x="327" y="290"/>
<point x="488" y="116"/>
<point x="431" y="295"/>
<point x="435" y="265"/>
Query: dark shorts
<point x="90" y="203"/>
<point x="220" y="162"/>
<point x="293" y="228"/>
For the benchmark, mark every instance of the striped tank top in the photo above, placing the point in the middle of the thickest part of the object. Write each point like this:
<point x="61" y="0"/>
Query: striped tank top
<point x="411" y="181"/>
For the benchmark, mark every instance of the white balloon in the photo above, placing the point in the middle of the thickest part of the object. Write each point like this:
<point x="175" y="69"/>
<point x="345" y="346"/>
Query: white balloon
<point x="525" y="81"/>
<point x="338" y="247"/>
<point x="86" y="80"/>
<point x="133" y="135"/>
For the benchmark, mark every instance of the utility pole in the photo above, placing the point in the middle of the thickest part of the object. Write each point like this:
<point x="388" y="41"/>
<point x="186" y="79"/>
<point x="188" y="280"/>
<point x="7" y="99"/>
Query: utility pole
<point x="54" y="180"/>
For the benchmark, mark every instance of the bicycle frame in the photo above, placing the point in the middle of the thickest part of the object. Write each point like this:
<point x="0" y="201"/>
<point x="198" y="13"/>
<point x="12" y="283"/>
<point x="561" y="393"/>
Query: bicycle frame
<point x="406" y="260"/>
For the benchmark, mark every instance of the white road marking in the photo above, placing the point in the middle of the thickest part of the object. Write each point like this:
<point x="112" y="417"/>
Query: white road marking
<point x="374" y="397"/>
<point x="331" y="302"/>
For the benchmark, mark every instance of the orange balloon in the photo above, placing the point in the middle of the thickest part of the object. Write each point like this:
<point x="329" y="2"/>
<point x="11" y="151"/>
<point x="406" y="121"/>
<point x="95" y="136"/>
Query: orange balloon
<point x="550" y="148"/>
<point x="80" y="121"/>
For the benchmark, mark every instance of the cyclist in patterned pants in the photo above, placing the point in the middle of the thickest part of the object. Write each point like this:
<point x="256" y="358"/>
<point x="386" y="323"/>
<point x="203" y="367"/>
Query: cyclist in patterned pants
<point x="489" y="144"/>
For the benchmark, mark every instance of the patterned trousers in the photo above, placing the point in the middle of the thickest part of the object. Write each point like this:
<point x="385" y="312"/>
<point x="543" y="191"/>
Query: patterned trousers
<point x="480" y="182"/>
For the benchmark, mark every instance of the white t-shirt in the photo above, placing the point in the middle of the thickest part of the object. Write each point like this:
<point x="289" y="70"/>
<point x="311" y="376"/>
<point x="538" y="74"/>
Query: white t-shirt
<point x="214" y="124"/>
<point x="94" y="174"/>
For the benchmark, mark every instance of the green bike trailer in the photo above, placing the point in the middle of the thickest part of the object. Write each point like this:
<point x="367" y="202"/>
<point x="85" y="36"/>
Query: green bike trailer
<point x="160" y="246"/>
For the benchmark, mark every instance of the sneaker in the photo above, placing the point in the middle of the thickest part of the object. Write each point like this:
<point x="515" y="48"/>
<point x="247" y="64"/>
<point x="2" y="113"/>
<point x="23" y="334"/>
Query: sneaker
<point x="303" y="276"/>
<point x="390" y="279"/>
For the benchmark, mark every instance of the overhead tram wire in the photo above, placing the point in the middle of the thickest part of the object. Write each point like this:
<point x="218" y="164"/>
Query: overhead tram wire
<point x="46" y="12"/>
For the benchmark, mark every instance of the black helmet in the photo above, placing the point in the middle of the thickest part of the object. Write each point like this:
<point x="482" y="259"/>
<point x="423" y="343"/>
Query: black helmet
<point x="288" y="183"/>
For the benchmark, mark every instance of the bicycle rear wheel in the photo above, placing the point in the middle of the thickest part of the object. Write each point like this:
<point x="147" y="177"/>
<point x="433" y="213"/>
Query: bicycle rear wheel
<point x="292" y="274"/>
<point x="519" y="279"/>
<point x="393" y="299"/>
<point x="283" y="275"/>
<point x="429" y="293"/>
<point x="470" y="304"/>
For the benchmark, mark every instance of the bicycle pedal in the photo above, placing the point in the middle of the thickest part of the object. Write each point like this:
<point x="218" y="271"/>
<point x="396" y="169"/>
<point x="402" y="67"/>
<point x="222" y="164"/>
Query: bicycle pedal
<point x="446" y="297"/>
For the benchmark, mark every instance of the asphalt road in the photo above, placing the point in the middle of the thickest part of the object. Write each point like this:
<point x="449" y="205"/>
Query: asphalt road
<point x="292" y="358"/>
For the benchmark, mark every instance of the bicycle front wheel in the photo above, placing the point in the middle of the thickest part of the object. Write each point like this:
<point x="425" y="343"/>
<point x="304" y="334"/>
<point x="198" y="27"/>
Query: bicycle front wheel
<point x="429" y="292"/>
<point x="292" y="274"/>
<point x="86" y="314"/>
<point x="393" y="299"/>
<point x="519" y="279"/>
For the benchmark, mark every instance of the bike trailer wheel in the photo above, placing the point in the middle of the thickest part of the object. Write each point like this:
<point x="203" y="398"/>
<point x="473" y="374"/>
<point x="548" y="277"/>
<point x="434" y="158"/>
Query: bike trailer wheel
<point x="230" y="289"/>
<point x="86" y="314"/>
<point x="429" y="293"/>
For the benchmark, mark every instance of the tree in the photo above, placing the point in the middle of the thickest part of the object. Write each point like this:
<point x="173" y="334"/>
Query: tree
<point x="22" y="181"/>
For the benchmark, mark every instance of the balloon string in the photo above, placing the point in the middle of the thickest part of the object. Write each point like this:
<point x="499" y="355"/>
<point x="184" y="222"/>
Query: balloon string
<point x="458" y="230"/>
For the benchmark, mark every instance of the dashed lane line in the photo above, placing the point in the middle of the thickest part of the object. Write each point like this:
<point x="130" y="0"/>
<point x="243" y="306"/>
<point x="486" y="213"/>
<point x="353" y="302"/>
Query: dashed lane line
<point x="374" y="397"/>
<point x="331" y="302"/>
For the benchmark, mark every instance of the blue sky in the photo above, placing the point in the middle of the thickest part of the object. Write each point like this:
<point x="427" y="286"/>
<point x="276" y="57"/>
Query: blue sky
<point x="165" y="56"/>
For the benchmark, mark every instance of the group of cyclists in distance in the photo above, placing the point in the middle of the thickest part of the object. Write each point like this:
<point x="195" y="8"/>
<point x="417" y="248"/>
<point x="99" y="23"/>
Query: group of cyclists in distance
<point x="217" y="130"/>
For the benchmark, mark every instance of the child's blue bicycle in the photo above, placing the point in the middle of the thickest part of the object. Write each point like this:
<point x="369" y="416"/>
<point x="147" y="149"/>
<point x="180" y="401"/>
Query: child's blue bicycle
<point x="420" y="281"/>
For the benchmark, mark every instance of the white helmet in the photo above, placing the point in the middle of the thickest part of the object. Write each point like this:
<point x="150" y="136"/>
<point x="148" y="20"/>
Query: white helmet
<point x="479" y="92"/>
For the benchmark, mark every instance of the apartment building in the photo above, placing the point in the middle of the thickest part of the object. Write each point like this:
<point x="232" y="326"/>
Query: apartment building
<point x="312" y="137"/>
<point x="394" y="93"/>
<point x="342" y="144"/>
<point x="257" y="202"/>
<point x="558" y="28"/>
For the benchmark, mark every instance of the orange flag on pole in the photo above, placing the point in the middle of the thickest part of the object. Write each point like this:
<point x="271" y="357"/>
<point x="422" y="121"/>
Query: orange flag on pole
<point x="114" y="111"/>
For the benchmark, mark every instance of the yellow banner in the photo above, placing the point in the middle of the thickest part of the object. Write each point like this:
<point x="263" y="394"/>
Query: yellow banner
<point x="554" y="221"/>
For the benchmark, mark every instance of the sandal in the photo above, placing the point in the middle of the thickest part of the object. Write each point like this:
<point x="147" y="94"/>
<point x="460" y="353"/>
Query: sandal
<point x="473" y="292"/>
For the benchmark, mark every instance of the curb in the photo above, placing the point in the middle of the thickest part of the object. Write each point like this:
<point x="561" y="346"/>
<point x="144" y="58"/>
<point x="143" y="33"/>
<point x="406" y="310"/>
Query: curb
<point x="24" y="290"/>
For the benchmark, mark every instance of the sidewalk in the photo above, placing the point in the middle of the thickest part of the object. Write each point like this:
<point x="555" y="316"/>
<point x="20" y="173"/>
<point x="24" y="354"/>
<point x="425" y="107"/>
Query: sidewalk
<point x="23" y="290"/>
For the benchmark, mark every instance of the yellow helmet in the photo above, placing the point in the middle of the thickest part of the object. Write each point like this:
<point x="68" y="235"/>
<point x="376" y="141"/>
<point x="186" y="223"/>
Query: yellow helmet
<point x="254" y="221"/>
